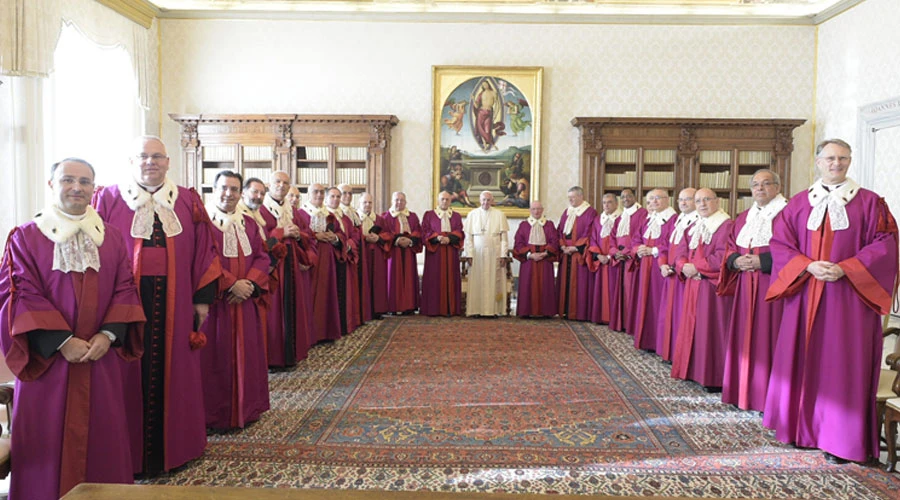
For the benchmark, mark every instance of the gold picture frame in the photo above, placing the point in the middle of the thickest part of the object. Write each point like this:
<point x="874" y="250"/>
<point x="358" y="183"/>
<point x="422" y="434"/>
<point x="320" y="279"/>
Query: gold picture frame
<point x="487" y="135"/>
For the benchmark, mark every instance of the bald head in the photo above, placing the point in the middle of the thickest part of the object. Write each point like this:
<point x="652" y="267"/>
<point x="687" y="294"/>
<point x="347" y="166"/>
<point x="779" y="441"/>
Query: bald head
<point x="149" y="160"/>
<point x="706" y="201"/>
<point x="316" y="194"/>
<point x="366" y="202"/>
<point x="657" y="200"/>
<point x="536" y="209"/>
<point x="686" y="200"/>
<point x="279" y="185"/>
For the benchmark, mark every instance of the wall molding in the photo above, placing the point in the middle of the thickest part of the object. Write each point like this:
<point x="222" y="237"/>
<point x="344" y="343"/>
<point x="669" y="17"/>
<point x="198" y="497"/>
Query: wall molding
<point x="870" y="119"/>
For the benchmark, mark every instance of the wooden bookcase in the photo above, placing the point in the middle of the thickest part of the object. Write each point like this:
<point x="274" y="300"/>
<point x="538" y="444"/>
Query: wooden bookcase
<point x="328" y="149"/>
<point x="674" y="153"/>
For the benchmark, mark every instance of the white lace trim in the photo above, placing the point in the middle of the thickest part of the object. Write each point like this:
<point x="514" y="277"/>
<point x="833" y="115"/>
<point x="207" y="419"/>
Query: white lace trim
<point x="367" y="221"/>
<point x="607" y="221"/>
<point x="255" y="214"/>
<point x="234" y="230"/>
<point x="351" y="213"/>
<point x="318" y="217"/>
<point x="76" y="241"/>
<point x="682" y="223"/>
<point x="339" y="215"/>
<point x="625" y="223"/>
<point x="757" y="231"/>
<point x="657" y="221"/>
<point x="572" y="213"/>
<point x="145" y="204"/>
<point x="283" y="212"/>
<point x="444" y="217"/>
<point x="706" y="227"/>
<point x="833" y="202"/>
<point x="536" y="236"/>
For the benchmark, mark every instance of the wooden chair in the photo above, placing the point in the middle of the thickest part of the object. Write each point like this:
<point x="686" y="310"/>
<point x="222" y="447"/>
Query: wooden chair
<point x="7" y="392"/>
<point x="891" y="414"/>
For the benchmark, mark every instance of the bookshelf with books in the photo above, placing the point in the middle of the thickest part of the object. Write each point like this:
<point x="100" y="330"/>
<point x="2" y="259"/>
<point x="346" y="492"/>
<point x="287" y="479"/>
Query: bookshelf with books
<point x="674" y="153"/>
<point x="326" y="149"/>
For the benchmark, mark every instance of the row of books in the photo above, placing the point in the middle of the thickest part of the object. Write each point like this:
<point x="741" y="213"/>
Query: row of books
<point x="715" y="180"/>
<point x="666" y="156"/>
<point x="351" y="176"/>
<point x="659" y="179"/>
<point x="315" y="153"/>
<point x="761" y="158"/>
<point x="744" y="202"/>
<point x="220" y="153"/>
<point x="715" y="157"/>
<point x="259" y="153"/>
<point x="312" y="175"/>
<point x="352" y="154"/>
<point x="624" y="179"/>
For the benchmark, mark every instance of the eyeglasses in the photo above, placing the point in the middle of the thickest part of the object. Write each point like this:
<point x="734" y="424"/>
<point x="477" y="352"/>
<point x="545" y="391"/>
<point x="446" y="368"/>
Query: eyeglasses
<point x="834" y="159"/>
<point x="154" y="157"/>
<point x="657" y="198"/>
<point x="704" y="200"/>
<point x="69" y="181"/>
<point x="763" y="184"/>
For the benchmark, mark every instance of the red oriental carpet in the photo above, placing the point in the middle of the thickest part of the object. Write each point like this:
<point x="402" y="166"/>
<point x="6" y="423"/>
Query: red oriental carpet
<point x="511" y="405"/>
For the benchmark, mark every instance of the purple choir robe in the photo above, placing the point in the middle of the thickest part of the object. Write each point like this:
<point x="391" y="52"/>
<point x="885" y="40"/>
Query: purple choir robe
<point x="630" y="273"/>
<point x="288" y="336"/>
<point x="752" y="328"/>
<point x="377" y="254"/>
<point x="327" y="321"/>
<point x="441" y="281"/>
<point x="649" y="298"/>
<point x="72" y="414"/>
<point x="537" y="288"/>
<point x="574" y="278"/>
<point x="607" y="289"/>
<point x="827" y="356"/>
<point x="700" y="346"/>
<point x="360" y="271"/>
<point x="188" y="263"/>
<point x="351" y="292"/>
<point x="235" y="373"/>
<point x="402" y="270"/>
<point x="673" y="291"/>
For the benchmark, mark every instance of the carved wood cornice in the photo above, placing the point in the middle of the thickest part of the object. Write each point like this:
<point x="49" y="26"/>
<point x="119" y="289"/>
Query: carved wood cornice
<point x="688" y="145"/>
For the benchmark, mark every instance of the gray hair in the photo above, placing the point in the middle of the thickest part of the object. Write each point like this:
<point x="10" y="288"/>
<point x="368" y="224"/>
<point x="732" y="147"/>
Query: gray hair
<point x="774" y="174"/>
<point x="839" y="142"/>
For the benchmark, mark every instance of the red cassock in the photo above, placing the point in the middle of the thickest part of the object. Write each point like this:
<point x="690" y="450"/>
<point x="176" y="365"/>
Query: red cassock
<point x="328" y="320"/>
<point x="752" y="328"/>
<point x="574" y="279"/>
<point x="649" y="292"/>
<point x="377" y="254"/>
<point x="441" y="282"/>
<point x="828" y="353"/>
<point x="673" y="292"/>
<point x="623" y="243"/>
<point x="403" y="272"/>
<point x="235" y="374"/>
<point x="72" y="414"/>
<point x="287" y="308"/>
<point x="700" y="345"/>
<point x="351" y="306"/>
<point x="606" y="288"/>
<point x="360" y="270"/>
<point x="167" y="424"/>
<point x="537" y="289"/>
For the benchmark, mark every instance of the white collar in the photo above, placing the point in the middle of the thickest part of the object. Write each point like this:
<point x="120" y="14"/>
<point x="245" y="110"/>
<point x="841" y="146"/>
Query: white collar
<point x="607" y="221"/>
<point x="706" y="227"/>
<point x="656" y="221"/>
<point x="533" y="221"/>
<point x="443" y="214"/>
<point x="282" y="211"/>
<point x="684" y="221"/>
<point x="260" y="221"/>
<point x="833" y="202"/>
<point x="394" y="213"/>
<point x="572" y="213"/>
<point x="234" y="230"/>
<point x="145" y="204"/>
<point x="757" y="230"/>
<point x="625" y="223"/>
<point x="75" y="240"/>
<point x="313" y="210"/>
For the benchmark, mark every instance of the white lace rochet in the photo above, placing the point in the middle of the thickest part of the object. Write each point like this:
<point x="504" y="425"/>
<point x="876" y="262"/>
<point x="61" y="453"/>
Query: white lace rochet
<point x="76" y="240"/>
<point x="234" y="231"/>
<point x="145" y="204"/>
<point x="833" y="202"/>
<point x="757" y="231"/>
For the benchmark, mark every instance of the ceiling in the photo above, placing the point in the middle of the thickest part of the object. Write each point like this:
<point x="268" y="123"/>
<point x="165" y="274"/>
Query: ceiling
<point x="534" y="11"/>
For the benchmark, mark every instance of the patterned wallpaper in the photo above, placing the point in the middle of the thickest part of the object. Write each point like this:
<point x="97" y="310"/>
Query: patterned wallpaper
<point x="857" y="65"/>
<point x="230" y="66"/>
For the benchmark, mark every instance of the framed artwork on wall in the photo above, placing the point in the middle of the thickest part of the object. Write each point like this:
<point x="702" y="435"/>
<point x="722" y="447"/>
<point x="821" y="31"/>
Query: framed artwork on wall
<point x="487" y="135"/>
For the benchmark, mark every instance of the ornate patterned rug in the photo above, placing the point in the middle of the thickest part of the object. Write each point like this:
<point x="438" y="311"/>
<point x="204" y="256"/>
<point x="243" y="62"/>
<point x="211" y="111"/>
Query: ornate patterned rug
<point x="511" y="405"/>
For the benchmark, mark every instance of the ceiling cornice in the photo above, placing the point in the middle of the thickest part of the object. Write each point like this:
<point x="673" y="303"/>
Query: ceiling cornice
<point x="139" y="11"/>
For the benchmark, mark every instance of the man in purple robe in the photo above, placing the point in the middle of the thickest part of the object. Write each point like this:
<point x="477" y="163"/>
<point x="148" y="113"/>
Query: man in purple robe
<point x="348" y="286"/>
<point x="673" y="287"/>
<point x="630" y="222"/>
<point x="288" y="311"/>
<point x="377" y="246"/>
<point x="67" y="295"/>
<point x="574" y="279"/>
<point x="536" y="247"/>
<point x="700" y="347"/>
<point x="328" y="320"/>
<point x="442" y="231"/>
<point x="235" y="377"/>
<point x="606" y="276"/>
<point x="754" y="322"/>
<point x="650" y="244"/>
<point x="359" y="271"/>
<point x="176" y="267"/>
<point x="834" y="262"/>
<point x="403" y="274"/>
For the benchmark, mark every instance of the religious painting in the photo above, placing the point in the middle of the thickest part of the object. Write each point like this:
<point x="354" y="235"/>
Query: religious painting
<point x="487" y="129"/>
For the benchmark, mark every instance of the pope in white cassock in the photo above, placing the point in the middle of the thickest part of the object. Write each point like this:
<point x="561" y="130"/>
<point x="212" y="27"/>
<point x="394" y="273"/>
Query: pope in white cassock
<point x="486" y="243"/>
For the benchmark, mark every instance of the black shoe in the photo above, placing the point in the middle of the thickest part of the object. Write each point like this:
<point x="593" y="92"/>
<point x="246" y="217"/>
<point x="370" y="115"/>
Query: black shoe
<point x="711" y="390"/>
<point x="834" y="459"/>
